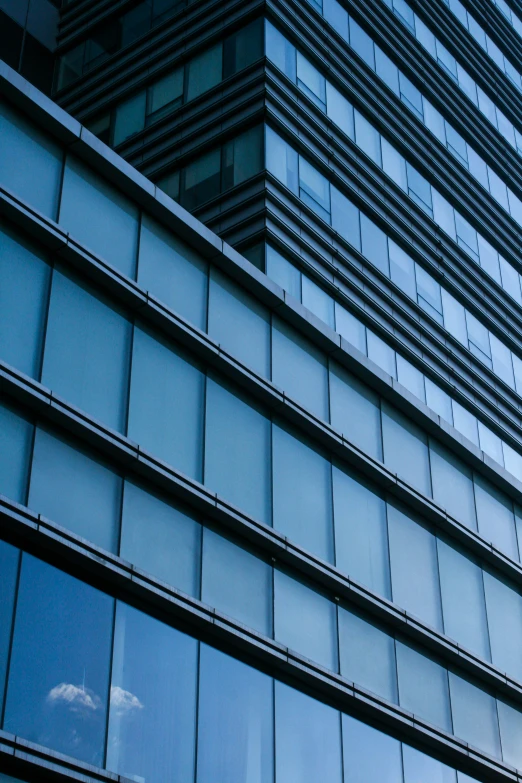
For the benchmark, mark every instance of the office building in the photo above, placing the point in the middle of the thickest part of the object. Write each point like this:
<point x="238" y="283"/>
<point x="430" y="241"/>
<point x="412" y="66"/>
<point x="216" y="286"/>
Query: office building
<point x="261" y="394"/>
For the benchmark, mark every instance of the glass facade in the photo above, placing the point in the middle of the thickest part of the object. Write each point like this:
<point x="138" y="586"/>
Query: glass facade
<point x="261" y="510"/>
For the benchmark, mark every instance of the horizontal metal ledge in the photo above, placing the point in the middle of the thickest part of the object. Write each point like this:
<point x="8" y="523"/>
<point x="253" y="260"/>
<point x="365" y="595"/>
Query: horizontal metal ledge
<point x="123" y="581"/>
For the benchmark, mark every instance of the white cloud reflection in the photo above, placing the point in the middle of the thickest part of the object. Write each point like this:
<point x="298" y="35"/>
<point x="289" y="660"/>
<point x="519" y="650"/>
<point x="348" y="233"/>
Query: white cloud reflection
<point x="76" y="697"/>
<point x="123" y="701"/>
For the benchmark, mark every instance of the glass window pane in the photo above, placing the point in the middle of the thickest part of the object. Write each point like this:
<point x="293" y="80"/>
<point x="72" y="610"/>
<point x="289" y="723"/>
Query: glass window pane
<point x="394" y="164"/>
<point x="402" y="269"/>
<point x="311" y="81"/>
<point x="23" y="303"/>
<point x="201" y="179"/>
<point x="504" y="608"/>
<point x="107" y="222"/>
<point x="243" y="48"/>
<point x="410" y="377"/>
<point x="368" y="138"/>
<point x="414" y="570"/>
<point x="423" y="686"/>
<point x="410" y="95"/>
<point x="16" y="436"/>
<point x="496" y="522"/>
<point x="345" y="218"/>
<point x="374" y="245"/>
<point x="280" y="51"/>
<point x="444" y="214"/>
<point x="361" y="538"/>
<point x="173" y="272"/>
<point x="75" y="490"/>
<point x="465" y="422"/>
<point x="454" y="317"/>
<point x="474" y="715"/>
<point x="30" y="161"/>
<point x="510" y="721"/>
<point x="340" y="110"/>
<point x="235" y="721"/>
<point x="302" y="494"/>
<point x="9" y="562"/>
<point x="153" y="700"/>
<point x="406" y="449"/>
<point x="420" y="767"/>
<point x="300" y="368"/>
<point x="246" y="592"/>
<point x="239" y="323"/>
<point x="355" y="411"/>
<point x="308" y="738"/>
<point x="166" y="404"/>
<point x="370" y="756"/>
<point x="62" y="702"/>
<point x="318" y="302"/>
<point x="337" y="16"/>
<point x="281" y="160"/>
<point x="165" y="95"/>
<point x="386" y="70"/>
<point x="367" y="655"/>
<point x="317" y="637"/>
<point x="205" y="71"/>
<point x="452" y="484"/>
<point x="466" y="236"/>
<point x="87" y="347"/>
<point x="438" y="400"/>
<point x="419" y="189"/>
<point x="429" y="293"/>
<point x="350" y="328"/>
<point x="242" y="157"/>
<point x="502" y="364"/>
<point x="463" y="606"/>
<point x="361" y="43"/>
<point x="237" y="451"/>
<point x="381" y="353"/>
<point x="283" y="272"/>
<point x="490" y="443"/>
<point x="161" y="539"/>
<point x="129" y="118"/>
<point x="314" y="189"/>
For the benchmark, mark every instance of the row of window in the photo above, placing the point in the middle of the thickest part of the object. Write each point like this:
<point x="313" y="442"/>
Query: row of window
<point x="76" y="352"/>
<point x="188" y="81"/>
<point x="160" y="255"/>
<point x="454" y="69"/>
<point x="270" y="472"/>
<point x="484" y="41"/>
<point x="283" y="54"/>
<point x="510" y="15"/>
<point x="325" y="307"/>
<point x="312" y="187"/>
<point x="114" y="34"/>
<point x="121" y="690"/>
<point x="107" y="216"/>
<point x="22" y="50"/>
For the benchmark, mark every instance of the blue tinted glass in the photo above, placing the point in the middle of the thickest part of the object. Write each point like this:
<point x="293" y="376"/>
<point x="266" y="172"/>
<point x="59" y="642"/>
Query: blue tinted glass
<point x="237" y="451"/>
<point x="246" y="592"/>
<point x="406" y="449"/>
<point x="361" y="538"/>
<point x="368" y="138"/>
<point x="15" y="449"/>
<point x="235" y="721"/>
<point x="280" y="51"/>
<point x="369" y="755"/>
<point x="414" y="574"/>
<point x="510" y="721"/>
<point x="374" y="245"/>
<point x="99" y="216"/>
<point x="318" y="301"/>
<point x="420" y="767"/>
<point x="423" y="686"/>
<point x="153" y="700"/>
<point x="166" y="404"/>
<point x="283" y="272"/>
<point x="345" y="218"/>
<point x="30" y="162"/>
<point x="367" y="655"/>
<point x="173" y="272"/>
<point x="504" y="609"/>
<point x="9" y="558"/>
<point x="75" y="490"/>
<point x="302" y="494"/>
<point x="474" y="713"/>
<point x="160" y="539"/>
<point x="87" y="346"/>
<point x="23" y="303"/>
<point x="361" y="43"/>
<point x="308" y="738"/>
<point x="463" y="605"/>
<point x="300" y="369"/>
<point x="62" y="702"/>
<point x="317" y="637"/>
<point x="452" y="484"/>
<point x="355" y="411"/>
<point x="239" y="323"/>
<point x="495" y="517"/>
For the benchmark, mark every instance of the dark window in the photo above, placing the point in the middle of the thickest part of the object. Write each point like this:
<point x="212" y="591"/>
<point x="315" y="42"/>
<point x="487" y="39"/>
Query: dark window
<point x="11" y="35"/>
<point x="243" y="48"/>
<point x="37" y="64"/>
